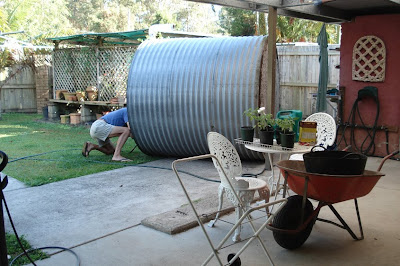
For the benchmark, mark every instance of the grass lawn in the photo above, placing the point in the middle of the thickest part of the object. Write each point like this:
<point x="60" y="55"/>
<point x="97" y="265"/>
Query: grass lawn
<point x="41" y="152"/>
<point x="14" y="249"/>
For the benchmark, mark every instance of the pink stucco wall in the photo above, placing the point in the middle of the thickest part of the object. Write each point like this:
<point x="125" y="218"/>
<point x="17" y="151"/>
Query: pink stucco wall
<point x="387" y="28"/>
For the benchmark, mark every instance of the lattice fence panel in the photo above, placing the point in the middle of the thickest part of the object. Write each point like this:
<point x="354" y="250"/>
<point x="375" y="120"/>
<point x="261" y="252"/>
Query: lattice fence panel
<point x="43" y="60"/>
<point x="84" y="68"/>
<point x="114" y="69"/>
<point x="369" y="59"/>
<point x="76" y="69"/>
<point x="63" y="70"/>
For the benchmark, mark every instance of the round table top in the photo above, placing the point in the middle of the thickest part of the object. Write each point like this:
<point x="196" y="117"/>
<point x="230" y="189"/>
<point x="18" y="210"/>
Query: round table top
<point x="257" y="146"/>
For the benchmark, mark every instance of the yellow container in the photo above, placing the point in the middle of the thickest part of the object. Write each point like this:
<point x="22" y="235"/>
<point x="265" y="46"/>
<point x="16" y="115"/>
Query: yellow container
<point x="64" y="119"/>
<point x="308" y="132"/>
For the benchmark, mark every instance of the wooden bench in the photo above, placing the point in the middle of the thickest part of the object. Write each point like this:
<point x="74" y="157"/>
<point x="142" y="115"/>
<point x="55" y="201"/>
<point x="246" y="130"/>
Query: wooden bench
<point x="88" y="109"/>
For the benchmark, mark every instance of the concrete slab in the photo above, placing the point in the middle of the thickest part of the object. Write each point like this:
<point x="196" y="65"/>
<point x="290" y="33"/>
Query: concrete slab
<point x="13" y="183"/>
<point x="183" y="218"/>
<point x="100" y="220"/>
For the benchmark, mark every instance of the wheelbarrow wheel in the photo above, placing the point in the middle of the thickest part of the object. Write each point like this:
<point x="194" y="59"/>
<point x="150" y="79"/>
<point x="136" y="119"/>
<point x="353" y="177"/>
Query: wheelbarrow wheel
<point x="289" y="218"/>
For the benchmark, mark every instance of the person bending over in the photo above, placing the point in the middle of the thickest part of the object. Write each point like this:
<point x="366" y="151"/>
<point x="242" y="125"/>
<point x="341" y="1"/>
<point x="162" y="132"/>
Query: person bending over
<point x="113" y="124"/>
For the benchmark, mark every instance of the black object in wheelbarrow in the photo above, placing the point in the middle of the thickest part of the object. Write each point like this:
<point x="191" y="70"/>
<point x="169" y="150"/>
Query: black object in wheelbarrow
<point x="334" y="162"/>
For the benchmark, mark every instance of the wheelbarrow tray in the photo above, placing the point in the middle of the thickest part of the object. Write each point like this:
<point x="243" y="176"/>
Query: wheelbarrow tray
<point x="327" y="188"/>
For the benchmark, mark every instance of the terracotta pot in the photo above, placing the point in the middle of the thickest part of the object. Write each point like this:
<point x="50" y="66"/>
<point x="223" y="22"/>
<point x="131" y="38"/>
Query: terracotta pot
<point x="91" y="95"/>
<point x="60" y="94"/>
<point x="81" y="96"/>
<point x="114" y="100"/>
<point x="75" y="118"/>
<point x="70" y="96"/>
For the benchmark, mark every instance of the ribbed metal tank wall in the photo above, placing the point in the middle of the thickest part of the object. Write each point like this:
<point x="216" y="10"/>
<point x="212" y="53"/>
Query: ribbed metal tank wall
<point x="181" y="89"/>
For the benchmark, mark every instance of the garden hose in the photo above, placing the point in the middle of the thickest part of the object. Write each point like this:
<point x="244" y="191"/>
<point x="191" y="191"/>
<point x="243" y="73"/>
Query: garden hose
<point x="31" y="157"/>
<point x="25" y="252"/>
<point x="366" y="92"/>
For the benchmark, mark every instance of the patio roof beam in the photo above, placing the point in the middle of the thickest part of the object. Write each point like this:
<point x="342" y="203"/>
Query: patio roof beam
<point x="291" y="8"/>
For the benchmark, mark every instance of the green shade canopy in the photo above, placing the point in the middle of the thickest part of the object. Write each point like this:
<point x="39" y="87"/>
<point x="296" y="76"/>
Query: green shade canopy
<point x="112" y="38"/>
<point x="323" y="69"/>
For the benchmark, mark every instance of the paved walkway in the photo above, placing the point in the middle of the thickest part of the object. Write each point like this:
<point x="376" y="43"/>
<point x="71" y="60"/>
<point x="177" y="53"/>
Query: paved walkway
<point x="99" y="217"/>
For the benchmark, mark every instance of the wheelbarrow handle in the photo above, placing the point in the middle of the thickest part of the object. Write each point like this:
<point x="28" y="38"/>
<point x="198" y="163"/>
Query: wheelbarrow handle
<point x="4" y="161"/>
<point x="385" y="158"/>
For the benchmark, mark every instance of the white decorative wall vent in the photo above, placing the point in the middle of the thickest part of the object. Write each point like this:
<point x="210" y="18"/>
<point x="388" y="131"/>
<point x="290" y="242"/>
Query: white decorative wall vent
<point x="369" y="59"/>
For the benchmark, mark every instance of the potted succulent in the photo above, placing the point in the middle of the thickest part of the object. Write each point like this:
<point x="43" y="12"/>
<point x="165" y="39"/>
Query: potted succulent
<point x="247" y="132"/>
<point x="265" y="124"/>
<point x="286" y="134"/>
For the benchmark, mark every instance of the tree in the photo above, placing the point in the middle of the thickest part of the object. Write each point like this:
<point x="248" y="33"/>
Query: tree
<point x="237" y="22"/>
<point x="38" y="19"/>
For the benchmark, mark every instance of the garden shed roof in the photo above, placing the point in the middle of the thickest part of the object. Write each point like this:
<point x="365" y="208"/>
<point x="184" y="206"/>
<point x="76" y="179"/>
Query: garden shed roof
<point x="111" y="38"/>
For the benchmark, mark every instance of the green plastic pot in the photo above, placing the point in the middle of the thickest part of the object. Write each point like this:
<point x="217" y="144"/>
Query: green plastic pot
<point x="247" y="133"/>
<point x="287" y="139"/>
<point x="267" y="137"/>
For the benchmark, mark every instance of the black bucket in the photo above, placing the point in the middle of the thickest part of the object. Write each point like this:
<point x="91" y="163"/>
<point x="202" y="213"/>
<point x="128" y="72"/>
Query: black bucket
<point x="45" y="111"/>
<point x="334" y="162"/>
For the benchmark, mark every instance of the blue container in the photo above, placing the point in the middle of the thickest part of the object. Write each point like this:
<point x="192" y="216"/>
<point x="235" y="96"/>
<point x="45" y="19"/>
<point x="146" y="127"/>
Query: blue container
<point x="297" y="115"/>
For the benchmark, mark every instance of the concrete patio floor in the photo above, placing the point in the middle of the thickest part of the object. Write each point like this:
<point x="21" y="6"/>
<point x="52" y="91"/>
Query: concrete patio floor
<point x="99" y="217"/>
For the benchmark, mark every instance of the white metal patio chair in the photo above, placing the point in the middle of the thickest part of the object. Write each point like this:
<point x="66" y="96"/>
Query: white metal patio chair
<point x="245" y="187"/>
<point x="326" y="131"/>
<point x="233" y="258"/>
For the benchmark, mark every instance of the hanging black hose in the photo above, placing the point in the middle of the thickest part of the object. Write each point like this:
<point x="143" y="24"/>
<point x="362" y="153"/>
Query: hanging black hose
<point x="365" y="147"/>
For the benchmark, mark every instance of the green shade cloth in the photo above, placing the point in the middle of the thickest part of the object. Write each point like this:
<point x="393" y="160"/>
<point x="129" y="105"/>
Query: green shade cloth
<point x="112" y="38"/>
<point x="323" y="69"/>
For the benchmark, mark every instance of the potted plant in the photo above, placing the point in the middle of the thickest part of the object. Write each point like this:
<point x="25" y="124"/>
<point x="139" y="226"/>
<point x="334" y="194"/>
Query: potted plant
<point x="286" y="134"/>
<point x="247" y="132"/>
<point x="265" y="124"/>
<point x="81" y="95"/>
<point x="91" y="92"/>
<point x="277" y="131"/>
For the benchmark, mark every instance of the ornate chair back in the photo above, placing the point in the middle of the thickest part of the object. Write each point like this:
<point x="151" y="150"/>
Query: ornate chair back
<point x="227" y="155"/>
<point x="326" y="128"/>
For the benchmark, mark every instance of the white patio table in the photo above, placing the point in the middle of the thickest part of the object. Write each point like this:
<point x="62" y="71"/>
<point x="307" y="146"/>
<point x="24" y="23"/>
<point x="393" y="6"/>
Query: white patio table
<point x="268" y="151"/>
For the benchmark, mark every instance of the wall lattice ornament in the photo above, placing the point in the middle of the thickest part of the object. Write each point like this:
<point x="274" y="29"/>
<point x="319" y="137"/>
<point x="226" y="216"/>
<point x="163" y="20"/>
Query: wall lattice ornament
<point x="369" y="59"/>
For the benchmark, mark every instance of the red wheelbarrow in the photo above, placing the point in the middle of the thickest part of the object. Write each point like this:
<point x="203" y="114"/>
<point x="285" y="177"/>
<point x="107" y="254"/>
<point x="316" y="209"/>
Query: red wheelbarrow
<point x="293" y="224"/>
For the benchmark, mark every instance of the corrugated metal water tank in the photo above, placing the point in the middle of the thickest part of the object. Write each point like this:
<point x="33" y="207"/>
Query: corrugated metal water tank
<point x="181" y="89"/>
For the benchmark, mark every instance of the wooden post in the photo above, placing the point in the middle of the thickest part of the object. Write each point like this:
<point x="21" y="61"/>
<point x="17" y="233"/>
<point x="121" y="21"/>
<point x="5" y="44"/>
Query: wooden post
<point x="271" y="69"/>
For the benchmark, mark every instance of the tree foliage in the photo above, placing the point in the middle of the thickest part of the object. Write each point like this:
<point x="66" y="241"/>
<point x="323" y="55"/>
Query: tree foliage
<point x="38" y="19"/>
<point x="239" y="22"/>
<point x="41" y="19"/>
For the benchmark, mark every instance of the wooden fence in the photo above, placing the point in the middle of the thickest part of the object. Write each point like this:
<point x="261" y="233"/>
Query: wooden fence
<point x="299" y="74"/>
<point x="298" y="77"/>
<point x="18" y="89"/>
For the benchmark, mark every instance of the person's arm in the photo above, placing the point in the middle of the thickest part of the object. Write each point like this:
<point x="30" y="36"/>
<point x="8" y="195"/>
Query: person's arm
<point x="129" y="127"/>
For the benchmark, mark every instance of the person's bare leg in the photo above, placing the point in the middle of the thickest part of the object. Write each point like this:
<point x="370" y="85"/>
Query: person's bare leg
<point x="123" y="134"/>
<point x="106" y="149"/>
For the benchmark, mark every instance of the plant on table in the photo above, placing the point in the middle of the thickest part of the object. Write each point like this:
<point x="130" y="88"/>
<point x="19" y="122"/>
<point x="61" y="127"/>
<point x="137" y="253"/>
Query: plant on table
<point x="286" y="135"/>
<point x="247" y="132"/>
<point x="265" y="123"/>
<point x="285" y="124"/>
